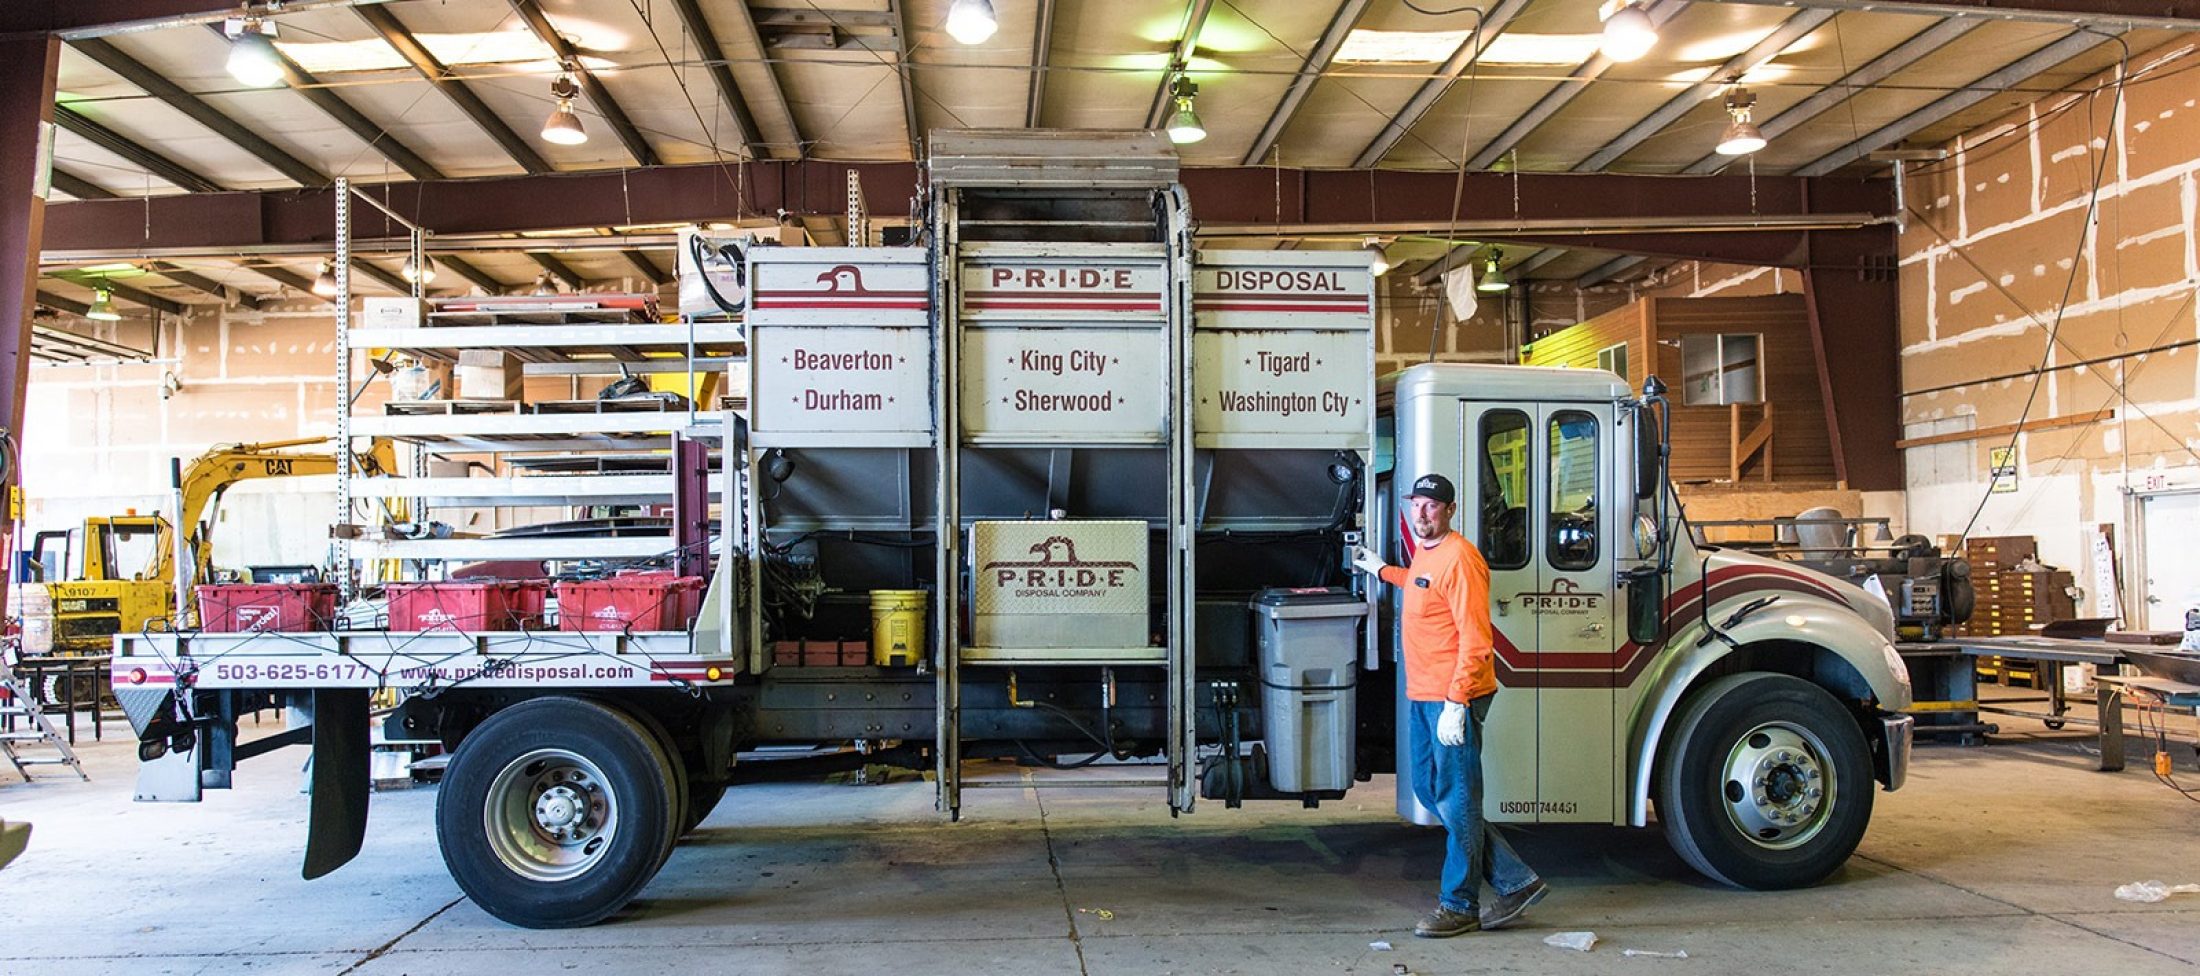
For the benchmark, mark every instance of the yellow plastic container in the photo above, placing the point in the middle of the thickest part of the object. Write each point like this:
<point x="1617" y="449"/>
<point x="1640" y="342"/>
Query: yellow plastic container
<point x="897" y="627"/>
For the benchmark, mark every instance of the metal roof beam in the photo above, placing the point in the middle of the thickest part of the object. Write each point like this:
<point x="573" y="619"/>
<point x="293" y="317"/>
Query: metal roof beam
<point x="1493" y="23"/>
<point x="558" y="269"/>
<point x="713" y="56"/>
<point x="79" y="187"/>
<point x="287" y="278"/>
<point x="1317" y="61"/>
<point x="158" y="86"/>
<point x="69" y="305"/>
<point x="465" y="269"/>
<point x="1042" y="48"/>
<point x="1909" y="52"/>
<point x="394" y="33"/>
<point x="389" y="279"/>
<point x="146" y="159"/>
<point x="204" y="285"/>
<point x="1187" y="41"/>
<point x="135" y="296"/>
<point x="1794" y="29"/>
<point x="598" y="95"/>
<point x="1608" y="270"/>
<point x="2124" y="14"/>
<point x="645" y="267"/>
<point x="1564" y="92"/>
<point x="905" y="72"/>
<point x="2070" y="46"/>
<point x="333" y="105"/>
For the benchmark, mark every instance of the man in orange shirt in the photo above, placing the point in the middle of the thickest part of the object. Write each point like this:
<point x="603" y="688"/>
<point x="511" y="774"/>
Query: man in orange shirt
<point x="1450" y="679"/>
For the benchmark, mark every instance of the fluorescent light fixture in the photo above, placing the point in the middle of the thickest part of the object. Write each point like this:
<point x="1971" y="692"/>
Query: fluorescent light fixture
<point x="454" y="50"/>
<point x="971" y="21"/>
<point x="1543" y="49"/>
<point x="252" y="57"/>
<point x="1184" y="126"/>
<point x="563" y="127"/>
<point x="1741" y="136"/>
<point x="1401" y="47"/>
<point x="1628" y="32"/>
<point x="1493" y="277"/>
<point x="103" y="307"/>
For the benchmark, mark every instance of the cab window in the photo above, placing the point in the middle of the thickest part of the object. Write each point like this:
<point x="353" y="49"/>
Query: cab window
<point x="1504" y="488"/>
<point x="1573" y="513"/>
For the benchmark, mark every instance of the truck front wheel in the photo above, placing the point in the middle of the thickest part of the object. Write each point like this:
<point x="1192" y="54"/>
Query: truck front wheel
<point x="1764" y="782"/>
<point x="555" y="812"/>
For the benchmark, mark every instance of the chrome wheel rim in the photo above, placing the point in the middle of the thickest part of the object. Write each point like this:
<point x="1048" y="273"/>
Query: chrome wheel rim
<point x="550" y="815"/>
<point x="1778" y="786"/>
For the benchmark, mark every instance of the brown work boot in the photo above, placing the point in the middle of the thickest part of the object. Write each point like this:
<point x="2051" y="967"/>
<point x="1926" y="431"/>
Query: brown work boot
<point x="1507" y="909"/>
<point x="1443" y="923"/>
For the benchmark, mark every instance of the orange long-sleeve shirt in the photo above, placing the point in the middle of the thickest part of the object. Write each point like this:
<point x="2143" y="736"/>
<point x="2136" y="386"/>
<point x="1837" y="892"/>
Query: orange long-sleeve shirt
<point x="1445" y="623"/>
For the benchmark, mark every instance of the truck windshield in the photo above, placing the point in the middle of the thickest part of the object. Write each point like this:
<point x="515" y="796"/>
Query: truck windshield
<point x="1573" y="513"/>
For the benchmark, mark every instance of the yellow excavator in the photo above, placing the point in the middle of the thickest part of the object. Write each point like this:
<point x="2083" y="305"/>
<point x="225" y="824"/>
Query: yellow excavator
<point x="105" y="598"/>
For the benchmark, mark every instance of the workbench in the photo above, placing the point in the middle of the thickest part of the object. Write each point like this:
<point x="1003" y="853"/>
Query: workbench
<point x="2054" y="654"/>
<point x="2111" y="689"/>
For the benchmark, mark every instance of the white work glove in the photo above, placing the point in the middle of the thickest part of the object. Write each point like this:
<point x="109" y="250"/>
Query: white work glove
<point x="1367" y="562"/>
<point x="1451" y="729"/>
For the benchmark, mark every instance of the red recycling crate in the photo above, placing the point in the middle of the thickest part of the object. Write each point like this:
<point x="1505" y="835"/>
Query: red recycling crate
<point x="635" y="602"/>
<point x="243" y="608"/>
<point x="467" y="605"/>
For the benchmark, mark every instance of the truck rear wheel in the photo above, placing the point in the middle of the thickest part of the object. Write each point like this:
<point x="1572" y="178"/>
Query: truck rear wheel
<point x="556" y="812"/>
<point x="1764" y="782"/>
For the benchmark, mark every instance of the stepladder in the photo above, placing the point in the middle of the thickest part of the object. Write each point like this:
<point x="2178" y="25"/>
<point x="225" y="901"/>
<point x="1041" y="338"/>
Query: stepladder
<point x="27" y="736"/>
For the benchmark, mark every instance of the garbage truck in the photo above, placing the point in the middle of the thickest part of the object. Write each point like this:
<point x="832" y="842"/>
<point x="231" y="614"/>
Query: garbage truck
<point x="1053" y="486"/>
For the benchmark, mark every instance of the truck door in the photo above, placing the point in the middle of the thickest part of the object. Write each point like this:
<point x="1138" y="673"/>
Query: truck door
<point x="1573" y="609"/>
<point x="1497" y="510"/>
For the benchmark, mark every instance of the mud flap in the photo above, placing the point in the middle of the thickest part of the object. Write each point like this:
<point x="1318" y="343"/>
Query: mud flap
<point x="338" y="824"/>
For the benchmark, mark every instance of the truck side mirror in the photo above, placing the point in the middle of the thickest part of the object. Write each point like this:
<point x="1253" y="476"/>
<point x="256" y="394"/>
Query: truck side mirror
<point x="1645" y="606"/>
<point x="1649" y="455"/>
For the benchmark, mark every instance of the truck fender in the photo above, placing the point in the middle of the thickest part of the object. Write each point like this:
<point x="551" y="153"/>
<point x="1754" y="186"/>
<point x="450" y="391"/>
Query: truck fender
<point x="1795" y="618"/>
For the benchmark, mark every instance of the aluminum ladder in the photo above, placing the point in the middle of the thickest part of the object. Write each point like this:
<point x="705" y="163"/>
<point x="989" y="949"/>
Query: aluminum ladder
<point x="40" y="733"/>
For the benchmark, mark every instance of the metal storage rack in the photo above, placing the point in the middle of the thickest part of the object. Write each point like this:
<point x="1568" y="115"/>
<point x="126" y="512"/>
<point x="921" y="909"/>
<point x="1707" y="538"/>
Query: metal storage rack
<point x="637" y="442"/>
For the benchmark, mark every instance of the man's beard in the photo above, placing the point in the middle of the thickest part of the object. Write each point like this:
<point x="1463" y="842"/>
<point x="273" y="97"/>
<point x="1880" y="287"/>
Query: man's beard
<point x="1429" y="531"/>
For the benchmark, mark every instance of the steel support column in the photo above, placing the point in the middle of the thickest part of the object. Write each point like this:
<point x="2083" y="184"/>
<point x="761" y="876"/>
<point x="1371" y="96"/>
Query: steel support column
<point x="1851" y="286"/>
<point x="27" y="69"/>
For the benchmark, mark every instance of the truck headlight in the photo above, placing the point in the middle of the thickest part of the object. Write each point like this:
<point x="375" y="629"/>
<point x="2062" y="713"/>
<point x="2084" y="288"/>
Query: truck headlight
<point x="1646" y="537"/>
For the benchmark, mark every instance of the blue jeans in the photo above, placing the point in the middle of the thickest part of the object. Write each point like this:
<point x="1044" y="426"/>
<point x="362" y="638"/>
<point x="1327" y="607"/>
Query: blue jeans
<point x="1448" y="781"/>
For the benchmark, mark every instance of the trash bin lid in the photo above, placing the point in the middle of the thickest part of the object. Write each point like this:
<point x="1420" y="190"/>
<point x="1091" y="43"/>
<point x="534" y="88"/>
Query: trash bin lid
<point x="1303" y="598"/>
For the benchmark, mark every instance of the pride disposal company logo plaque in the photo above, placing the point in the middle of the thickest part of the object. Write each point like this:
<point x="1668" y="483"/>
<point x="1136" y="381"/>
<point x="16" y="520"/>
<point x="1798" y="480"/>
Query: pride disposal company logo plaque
<point x="1059" y="584"/>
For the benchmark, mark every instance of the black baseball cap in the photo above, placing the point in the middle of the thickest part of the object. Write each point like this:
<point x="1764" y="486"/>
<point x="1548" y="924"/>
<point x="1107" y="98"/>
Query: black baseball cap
<point x="1433" y="486"/>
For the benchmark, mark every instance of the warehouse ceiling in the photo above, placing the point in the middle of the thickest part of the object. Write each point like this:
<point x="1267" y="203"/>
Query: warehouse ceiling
<point x="425" y="89"/>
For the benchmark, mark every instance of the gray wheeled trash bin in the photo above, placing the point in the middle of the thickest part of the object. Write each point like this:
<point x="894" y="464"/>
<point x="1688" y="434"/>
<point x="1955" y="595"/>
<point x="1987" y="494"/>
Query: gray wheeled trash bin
<point x="1309" y="642"/>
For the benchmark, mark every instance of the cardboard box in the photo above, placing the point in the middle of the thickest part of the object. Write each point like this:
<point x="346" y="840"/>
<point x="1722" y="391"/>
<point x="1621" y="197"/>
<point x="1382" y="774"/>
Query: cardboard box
<point x="384" y="312"/>
<point x="488" y="374"/>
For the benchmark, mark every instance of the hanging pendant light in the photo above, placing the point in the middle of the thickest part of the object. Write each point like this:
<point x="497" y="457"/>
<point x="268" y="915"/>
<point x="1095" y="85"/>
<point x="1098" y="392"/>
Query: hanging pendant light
<point x="253" y="59"/>
<point x="1628" y="32"/>
<point x="563" y="127"/>
<point x="103" y="306"/>
<point x="1741" y="137"/>
<point x="971" y="21"/>
<point x="1493" y="278"/>
<point x="1184" y="126"/>
<point x="324" y="279"/>
<point x="422" y="272"/>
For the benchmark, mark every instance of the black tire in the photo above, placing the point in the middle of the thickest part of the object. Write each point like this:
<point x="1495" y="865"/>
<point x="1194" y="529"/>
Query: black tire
<point x="589" y="766"/>
<point x="661" y="736"/>
<point x="1772" y="832"/>
<point x="703" y="797"/>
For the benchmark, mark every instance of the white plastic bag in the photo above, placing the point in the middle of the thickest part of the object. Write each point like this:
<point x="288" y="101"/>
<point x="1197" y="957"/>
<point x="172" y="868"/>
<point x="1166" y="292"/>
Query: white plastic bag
<point x="1577" y="941"/>
<point x="2153" y="891"/>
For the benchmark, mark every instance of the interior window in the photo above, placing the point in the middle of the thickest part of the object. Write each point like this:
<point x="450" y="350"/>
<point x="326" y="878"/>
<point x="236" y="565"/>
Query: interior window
<point x="1719" y="369"/>
<point x="1504" y="486"/>
<point x="1573" y="513"/>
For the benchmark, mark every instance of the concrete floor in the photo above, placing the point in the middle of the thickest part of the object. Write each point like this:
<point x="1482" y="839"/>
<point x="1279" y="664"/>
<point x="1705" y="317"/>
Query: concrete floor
<point x="1995" y="860"/>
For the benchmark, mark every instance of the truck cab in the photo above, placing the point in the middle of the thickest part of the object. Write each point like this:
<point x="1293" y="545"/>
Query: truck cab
<point x="1752" y="703"/>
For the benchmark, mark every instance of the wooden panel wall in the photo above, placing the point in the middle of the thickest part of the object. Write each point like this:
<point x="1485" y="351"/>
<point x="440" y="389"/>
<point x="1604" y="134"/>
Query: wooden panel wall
<point x="1802" y="451"/>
